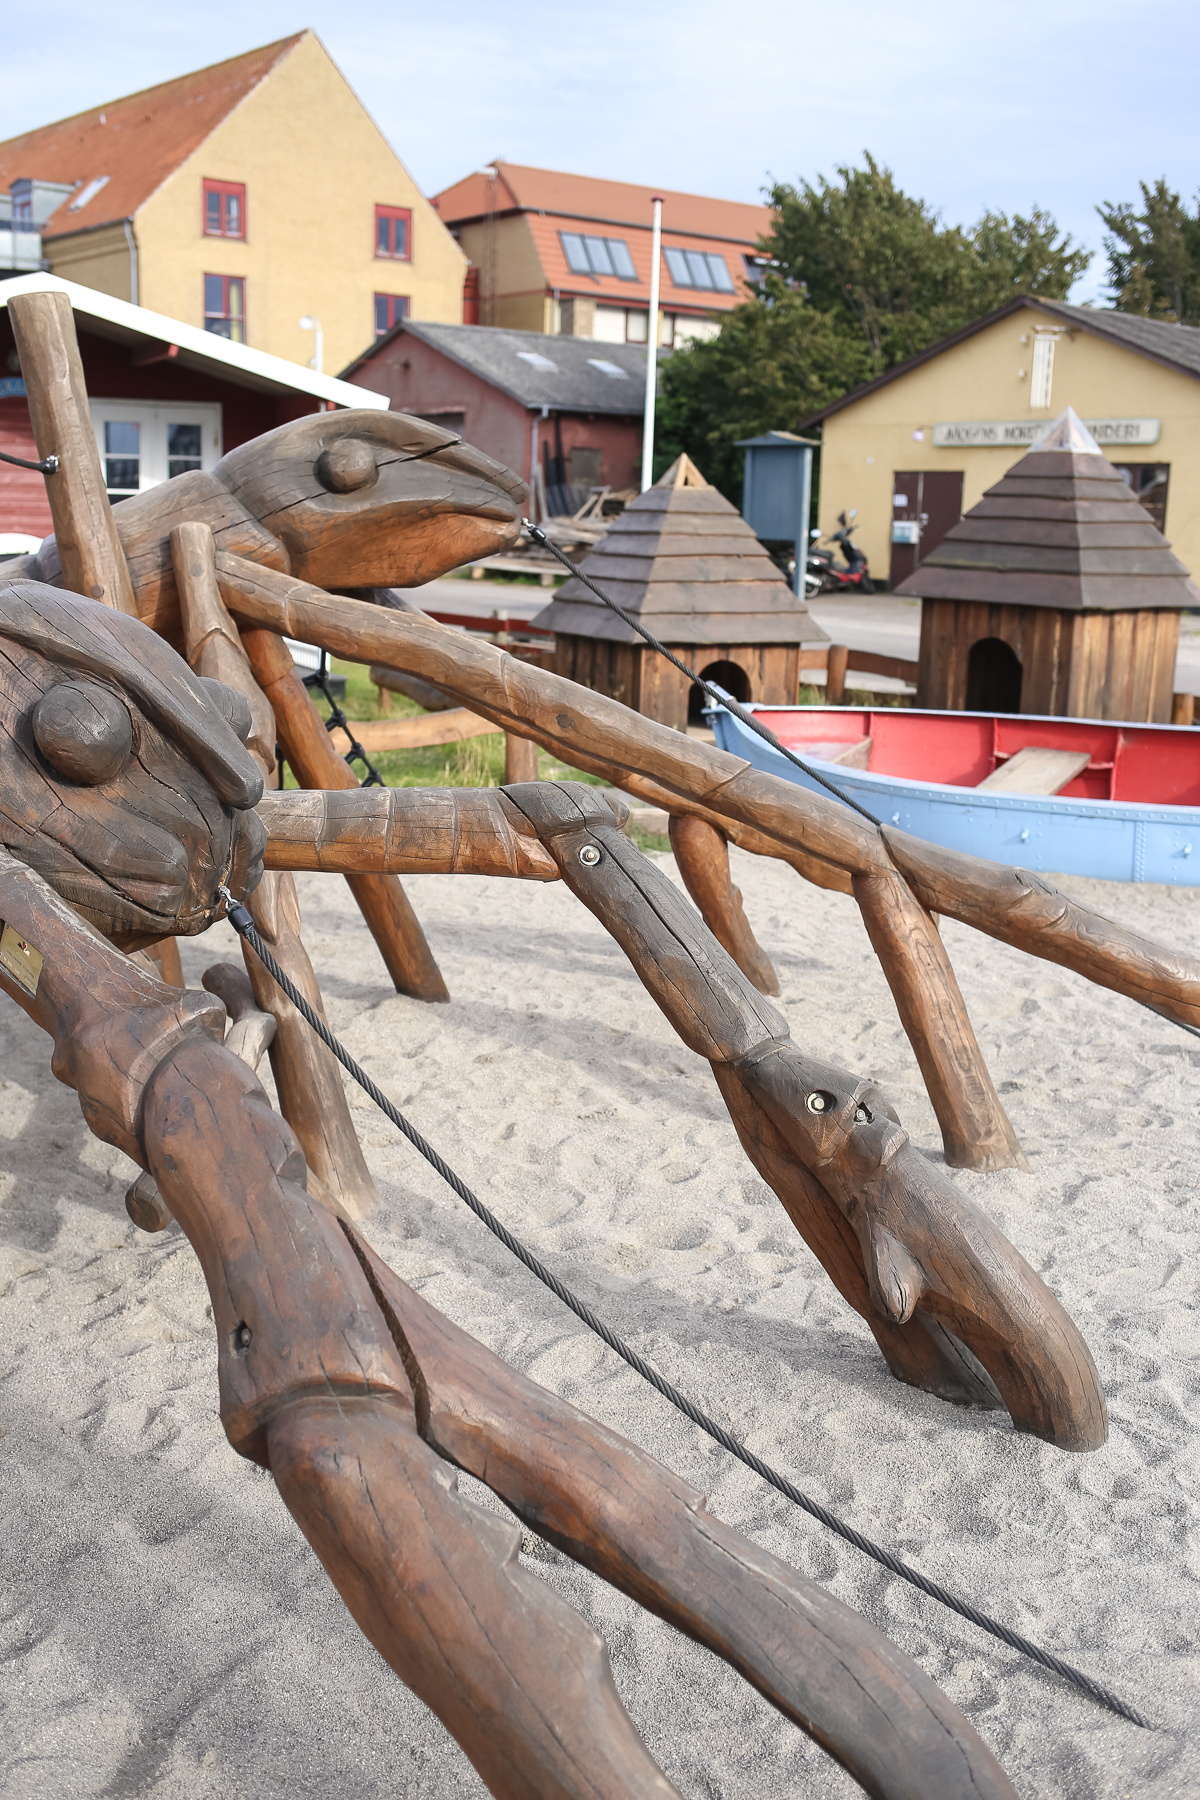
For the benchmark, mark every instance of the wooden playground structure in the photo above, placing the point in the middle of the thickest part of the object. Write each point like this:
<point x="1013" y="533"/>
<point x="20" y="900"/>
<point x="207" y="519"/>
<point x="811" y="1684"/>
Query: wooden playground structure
<point x="145" y="688"/>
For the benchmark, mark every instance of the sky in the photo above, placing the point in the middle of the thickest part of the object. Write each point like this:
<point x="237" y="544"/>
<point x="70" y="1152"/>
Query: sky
<point x="999" y="106"/>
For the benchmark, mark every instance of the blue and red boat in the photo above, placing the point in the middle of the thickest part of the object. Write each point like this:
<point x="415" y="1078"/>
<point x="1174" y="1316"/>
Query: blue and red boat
<point x="1117" y="801"/>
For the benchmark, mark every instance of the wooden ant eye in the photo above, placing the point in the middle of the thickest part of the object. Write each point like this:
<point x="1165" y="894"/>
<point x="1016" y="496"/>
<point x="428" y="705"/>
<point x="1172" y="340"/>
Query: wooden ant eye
<point x="83" y="731"/>
<point x="347" y="466"/>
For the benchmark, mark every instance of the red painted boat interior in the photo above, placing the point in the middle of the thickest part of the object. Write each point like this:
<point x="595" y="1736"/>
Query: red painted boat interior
<point x="1146" y="764"/>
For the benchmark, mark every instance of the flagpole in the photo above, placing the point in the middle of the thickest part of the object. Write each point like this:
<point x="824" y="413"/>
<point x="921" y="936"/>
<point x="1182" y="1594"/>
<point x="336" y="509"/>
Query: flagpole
<point x="652" y="349"/>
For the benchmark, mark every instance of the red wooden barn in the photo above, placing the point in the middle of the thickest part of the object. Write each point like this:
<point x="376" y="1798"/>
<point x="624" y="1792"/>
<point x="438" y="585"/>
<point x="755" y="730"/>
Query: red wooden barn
<point x="167" y="397"/>
<point x="568" y="406"/>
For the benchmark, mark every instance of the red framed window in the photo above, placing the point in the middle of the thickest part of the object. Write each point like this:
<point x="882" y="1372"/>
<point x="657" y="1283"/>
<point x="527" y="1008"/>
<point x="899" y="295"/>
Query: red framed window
<point x="393" y="232"/>
<point x="389" y="310"/>
<point x="225" y="306"/>
<point x="225" y="209"/>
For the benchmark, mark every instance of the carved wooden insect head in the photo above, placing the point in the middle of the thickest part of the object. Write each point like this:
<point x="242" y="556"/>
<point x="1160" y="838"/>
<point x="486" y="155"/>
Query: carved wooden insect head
<point x="123" y="777"/>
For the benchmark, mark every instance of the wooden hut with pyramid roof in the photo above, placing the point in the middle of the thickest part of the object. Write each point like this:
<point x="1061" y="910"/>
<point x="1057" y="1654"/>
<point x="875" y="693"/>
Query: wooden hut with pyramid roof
<point x="684" y="561"/>
<point x="1057" y="594"/>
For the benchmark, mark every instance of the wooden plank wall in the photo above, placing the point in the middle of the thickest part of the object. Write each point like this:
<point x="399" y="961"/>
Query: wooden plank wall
<point x="642" y="679"/>
<point x="1092" y="665"/>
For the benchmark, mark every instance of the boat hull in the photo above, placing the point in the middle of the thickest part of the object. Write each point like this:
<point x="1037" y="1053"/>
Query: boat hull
<point x="1062" y="835"/>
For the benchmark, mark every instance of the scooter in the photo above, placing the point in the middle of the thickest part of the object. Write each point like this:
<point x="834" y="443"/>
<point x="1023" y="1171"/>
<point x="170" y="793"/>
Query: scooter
<point x="824" y="575"/>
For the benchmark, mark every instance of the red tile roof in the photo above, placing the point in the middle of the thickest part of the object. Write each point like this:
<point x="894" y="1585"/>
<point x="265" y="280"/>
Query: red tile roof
<point x="585" y="197"/>
<point x="138" y="141"/>
<point x="553" y="202"/>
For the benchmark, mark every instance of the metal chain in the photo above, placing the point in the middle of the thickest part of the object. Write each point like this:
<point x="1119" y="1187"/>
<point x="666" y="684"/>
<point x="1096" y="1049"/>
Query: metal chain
<point x="337" y="720"/>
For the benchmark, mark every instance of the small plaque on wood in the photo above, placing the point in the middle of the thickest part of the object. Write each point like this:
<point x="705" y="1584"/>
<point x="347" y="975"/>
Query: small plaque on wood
<point x="19" y="957"/>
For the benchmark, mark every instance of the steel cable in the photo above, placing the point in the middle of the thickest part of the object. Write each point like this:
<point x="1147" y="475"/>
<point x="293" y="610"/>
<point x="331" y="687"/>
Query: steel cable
<point x="241" y="920"/>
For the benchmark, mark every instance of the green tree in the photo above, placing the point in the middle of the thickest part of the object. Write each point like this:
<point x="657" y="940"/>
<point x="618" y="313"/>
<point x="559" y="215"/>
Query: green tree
<point x="1154" y="256"/>
<point x="886" y="265"/>
<point x="863" y="276"/>
<point x="1023" y="256"/>
<point x="776" y="359"/>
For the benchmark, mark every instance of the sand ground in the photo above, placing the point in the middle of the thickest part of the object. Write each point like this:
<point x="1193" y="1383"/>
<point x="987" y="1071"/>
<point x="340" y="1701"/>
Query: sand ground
<point x="165" y="1630"/>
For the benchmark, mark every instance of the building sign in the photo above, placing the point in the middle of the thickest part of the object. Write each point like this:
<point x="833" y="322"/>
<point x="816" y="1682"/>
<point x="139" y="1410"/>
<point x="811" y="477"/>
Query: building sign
<point x="11" y="387"/>
<point x="987" y="434"/>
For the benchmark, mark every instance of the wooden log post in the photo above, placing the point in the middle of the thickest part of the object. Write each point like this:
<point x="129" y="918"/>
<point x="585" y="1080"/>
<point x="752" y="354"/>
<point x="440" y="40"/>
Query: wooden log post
<point x="591" y="732"/>
<point x="316" y="764"/>
<point x="307" y="1077"/>
<point x="835" y="676"/>
<point x="702" y="857"/>
<point x="520" y="759"/>
<point x="89" y="549"/>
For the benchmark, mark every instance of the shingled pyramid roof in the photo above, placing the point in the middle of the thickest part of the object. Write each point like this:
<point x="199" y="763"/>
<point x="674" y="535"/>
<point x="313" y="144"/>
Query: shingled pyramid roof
<point x="685" y="562"/>
<point x="1060" y="529"/>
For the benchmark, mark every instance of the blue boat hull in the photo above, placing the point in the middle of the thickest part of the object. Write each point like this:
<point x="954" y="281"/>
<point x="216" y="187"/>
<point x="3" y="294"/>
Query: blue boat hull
<point x="1102" y="838"/>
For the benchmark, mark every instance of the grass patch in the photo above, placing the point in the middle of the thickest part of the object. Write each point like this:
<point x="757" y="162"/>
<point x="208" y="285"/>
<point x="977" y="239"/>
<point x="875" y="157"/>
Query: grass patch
<point x="479" y="762"/>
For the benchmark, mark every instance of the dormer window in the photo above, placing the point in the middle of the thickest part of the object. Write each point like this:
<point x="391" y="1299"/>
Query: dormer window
<point x="225" y="209"/>
<point x="597" y="255"/>
<point x="393" y="232"/>
<point x="699" y="269"/>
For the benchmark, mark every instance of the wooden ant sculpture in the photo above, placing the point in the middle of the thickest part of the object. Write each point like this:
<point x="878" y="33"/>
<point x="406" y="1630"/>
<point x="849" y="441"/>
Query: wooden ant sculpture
<point x="127" y="799"/>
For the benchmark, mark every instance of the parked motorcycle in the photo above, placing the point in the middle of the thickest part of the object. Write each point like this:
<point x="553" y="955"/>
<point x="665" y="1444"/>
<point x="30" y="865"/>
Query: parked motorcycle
<point x="825" y="575"/>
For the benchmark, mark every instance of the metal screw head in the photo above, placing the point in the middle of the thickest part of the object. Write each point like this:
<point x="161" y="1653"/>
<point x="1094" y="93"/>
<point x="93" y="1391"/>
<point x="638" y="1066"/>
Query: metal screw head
<point x="589" y="855"/>
<point x="821" y="1102"/>
<point x="242" y="1336"/>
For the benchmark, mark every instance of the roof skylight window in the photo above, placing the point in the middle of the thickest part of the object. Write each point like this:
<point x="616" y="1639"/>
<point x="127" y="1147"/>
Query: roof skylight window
<point x="537" y="361"/>
<point x="597" y="256"/>
<point x="699" y="269"/>
<point x="612" y="370"/>
<point x="89" y="193"/>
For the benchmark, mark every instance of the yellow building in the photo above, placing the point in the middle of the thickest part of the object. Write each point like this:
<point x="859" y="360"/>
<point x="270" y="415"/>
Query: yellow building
<point x="916" y="449"/>
<point x="241" y="199"/>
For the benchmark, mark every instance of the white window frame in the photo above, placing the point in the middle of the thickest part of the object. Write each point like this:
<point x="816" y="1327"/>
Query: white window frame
<point x="1041" y="377"/>
<point x="153" y="416"/>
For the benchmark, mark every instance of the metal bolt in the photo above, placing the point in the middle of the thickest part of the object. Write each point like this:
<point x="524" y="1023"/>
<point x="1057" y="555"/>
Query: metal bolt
<point x="589" y="855"/>
<point x="821" y="1102"/>
<point x="242" y="1336"/>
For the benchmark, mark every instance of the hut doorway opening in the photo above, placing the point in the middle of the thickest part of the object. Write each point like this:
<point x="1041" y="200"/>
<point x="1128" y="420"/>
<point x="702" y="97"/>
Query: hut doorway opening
<point x="728" y="675"/>
<point x="993" y="677"/>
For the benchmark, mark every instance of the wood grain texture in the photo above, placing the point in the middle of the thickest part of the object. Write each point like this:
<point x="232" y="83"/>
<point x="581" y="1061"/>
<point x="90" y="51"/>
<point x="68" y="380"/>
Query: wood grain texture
<point x="165" y="812"/>
<point x="316" y="764"/>
<point x="1035" y="769"/>
<point x="1025" y="910"/>
<point x="307" y="1077"/>
<point x="589" y="731"/>
<point x="455" y="725"/>
<point x="920" y="1243"/>
<point x="639" y="1526"/>
<point x="520" y="759"/>
<point x="976" y="1132"/>
<point x="89" y="549"/>
<point x="430" y="831"/>
<point x="702" y="858"/>
<point x="433" y="504"/>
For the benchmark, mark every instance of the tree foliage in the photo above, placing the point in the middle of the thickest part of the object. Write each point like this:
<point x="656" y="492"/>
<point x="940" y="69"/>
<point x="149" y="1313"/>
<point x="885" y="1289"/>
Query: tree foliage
<point x="863" y="276"/>
<point x="1154" y="256"/>
<point x="776" y="359"/>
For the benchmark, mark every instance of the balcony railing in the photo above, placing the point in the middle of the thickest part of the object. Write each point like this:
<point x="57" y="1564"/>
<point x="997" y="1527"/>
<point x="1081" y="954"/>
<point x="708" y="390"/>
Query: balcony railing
<point x="20" y="247"/>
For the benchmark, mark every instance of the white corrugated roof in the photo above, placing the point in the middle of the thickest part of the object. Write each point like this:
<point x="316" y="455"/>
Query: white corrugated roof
<point x="237" y="362"/>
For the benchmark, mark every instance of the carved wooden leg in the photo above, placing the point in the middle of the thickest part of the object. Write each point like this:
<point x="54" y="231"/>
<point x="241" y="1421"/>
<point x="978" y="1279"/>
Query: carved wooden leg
<point x="976" y="1132"/>
<point x="702" y="857"/>
<point x="166" y="954"/>
<point x="520" y="759"/>
<point x="308" y="1078"/>
<point x="380" y="898"/>
<point x="919" y="1242"/>
<point x="93" y="562"/>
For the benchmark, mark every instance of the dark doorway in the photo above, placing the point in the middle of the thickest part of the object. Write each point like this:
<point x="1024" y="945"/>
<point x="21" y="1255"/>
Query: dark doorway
<point x="993" y="677"/>
<point x="925" y="504"/>
<point x="729" y="675"/>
